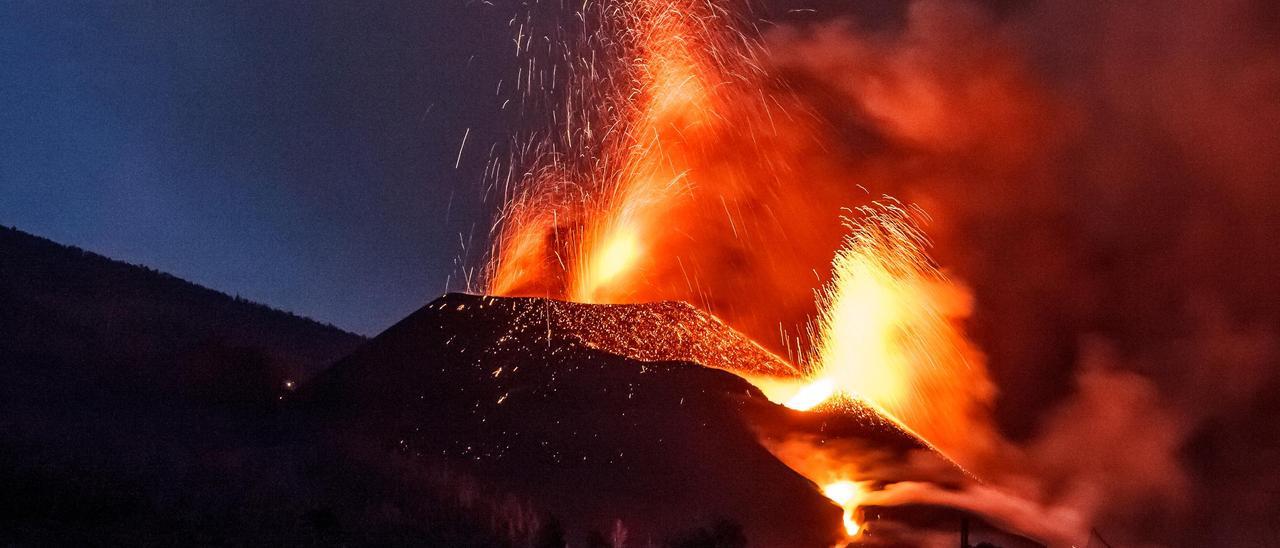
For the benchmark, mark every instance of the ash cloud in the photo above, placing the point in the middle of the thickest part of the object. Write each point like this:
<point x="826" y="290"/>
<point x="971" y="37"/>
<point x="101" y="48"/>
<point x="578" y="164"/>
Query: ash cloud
<point x="1104" y="177"/>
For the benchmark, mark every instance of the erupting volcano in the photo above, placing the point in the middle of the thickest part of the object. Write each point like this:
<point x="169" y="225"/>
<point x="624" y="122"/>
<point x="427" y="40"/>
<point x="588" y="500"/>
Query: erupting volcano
<point x="658" y="273"/>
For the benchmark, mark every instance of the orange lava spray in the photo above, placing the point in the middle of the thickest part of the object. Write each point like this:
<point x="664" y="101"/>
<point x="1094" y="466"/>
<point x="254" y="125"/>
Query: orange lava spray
<point x="889" y="334"/>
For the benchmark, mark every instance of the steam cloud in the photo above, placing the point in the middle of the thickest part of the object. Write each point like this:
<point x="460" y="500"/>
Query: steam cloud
<point x="1104" y="177"/>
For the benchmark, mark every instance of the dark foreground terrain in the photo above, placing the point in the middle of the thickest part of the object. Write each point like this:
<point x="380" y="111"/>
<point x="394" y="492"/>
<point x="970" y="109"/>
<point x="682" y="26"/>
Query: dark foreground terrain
<point x="136" y="408"/>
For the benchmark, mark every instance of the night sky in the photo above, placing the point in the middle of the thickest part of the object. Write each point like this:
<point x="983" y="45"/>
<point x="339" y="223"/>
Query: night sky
<point x="297" y="154"/>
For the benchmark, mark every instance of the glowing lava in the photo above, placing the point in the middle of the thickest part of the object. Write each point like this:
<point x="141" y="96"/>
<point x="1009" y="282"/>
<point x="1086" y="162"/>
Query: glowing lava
<point x="811" y="395"/>
<point x="848" y="494"/>
<point x="610" y="186"/>
<point x="889" y="331"/>
<point x="889" y="335"/>
<point x="618" y="253"/>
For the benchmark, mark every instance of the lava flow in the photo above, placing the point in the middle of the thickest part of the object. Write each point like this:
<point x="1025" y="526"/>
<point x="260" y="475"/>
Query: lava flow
<point x="847" y="494"/>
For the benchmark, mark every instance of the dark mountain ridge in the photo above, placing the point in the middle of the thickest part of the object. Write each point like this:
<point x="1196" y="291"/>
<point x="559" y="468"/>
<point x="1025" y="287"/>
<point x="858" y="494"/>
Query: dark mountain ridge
<point x="138" y="408"/>
<point x="90" y="296"/>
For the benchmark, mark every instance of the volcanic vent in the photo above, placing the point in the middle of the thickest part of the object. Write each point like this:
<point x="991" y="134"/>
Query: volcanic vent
<point x="600" y="416"/>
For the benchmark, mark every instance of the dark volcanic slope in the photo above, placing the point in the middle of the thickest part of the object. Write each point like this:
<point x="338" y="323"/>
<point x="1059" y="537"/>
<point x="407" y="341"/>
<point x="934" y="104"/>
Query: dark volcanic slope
<point x="137" y="408"/>
<point x="485" y="386"/>
<point x="56" y="299"/>
<point x="521" y="395"/>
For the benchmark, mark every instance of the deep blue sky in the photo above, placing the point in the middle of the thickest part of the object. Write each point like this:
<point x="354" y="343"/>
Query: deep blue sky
<point x="297" y="154"/>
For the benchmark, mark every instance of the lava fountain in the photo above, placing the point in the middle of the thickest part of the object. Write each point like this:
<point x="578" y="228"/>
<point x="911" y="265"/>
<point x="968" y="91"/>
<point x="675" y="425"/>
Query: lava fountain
<point x="889" y="333"/>
<point x="585" y="226"/>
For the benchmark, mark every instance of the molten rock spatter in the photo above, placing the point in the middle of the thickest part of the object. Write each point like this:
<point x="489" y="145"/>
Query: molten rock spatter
<point x="665" y="331"/>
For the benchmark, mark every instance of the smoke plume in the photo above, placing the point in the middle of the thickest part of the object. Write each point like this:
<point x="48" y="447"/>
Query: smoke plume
<point x="1104" y="177"/>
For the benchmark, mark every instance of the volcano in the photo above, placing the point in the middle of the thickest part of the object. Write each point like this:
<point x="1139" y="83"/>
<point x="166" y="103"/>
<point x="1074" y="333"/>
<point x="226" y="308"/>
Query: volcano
<point x="141" y="409"/>
<point x="603" y="418"/>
